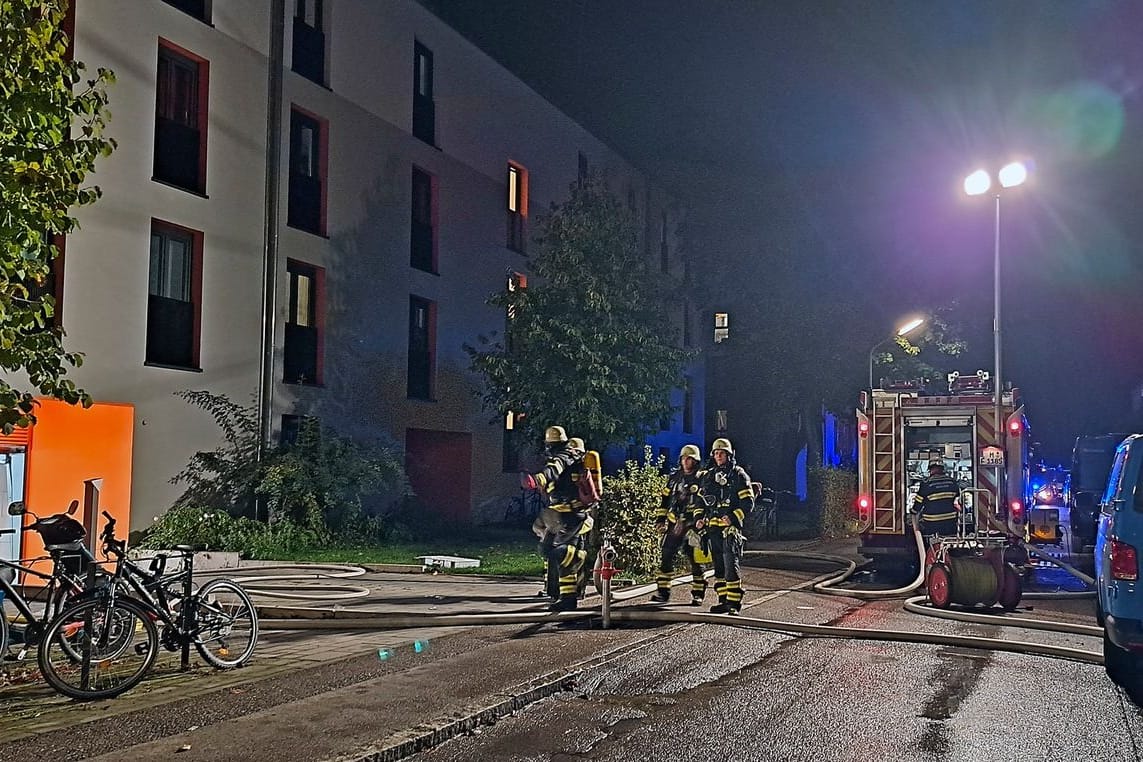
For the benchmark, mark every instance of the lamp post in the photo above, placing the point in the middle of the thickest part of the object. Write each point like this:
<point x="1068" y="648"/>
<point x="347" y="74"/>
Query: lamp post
<point x="909" y="327"/>
<point x="978" y="183"/>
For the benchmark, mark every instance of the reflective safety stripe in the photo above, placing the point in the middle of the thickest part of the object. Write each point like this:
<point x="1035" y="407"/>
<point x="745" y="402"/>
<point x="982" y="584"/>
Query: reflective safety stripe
<point x="571" y="507"/>
<point x="938" y="516"/>
<point x="739" y="514"/>
<point x="745" y="493"/>
<point x="942" y="496"/>
<point x="569" y="554"/>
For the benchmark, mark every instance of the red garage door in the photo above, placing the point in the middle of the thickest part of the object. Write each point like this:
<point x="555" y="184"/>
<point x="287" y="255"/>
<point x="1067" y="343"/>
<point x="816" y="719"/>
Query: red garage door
<point x="439" y="464"/>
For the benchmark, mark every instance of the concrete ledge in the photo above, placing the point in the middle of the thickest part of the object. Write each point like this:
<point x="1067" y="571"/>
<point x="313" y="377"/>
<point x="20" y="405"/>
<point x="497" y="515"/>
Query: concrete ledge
<point x="393" y="568"/>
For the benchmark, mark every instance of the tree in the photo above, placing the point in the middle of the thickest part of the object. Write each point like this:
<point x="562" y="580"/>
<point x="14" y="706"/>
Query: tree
<point x="589" y="344"/>
<point x="51" y="133"/>
<point x="932" y="354"/>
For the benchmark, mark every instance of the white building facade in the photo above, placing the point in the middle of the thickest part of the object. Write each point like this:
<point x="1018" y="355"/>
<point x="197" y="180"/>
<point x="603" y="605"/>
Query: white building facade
<point x="410" y="165"/>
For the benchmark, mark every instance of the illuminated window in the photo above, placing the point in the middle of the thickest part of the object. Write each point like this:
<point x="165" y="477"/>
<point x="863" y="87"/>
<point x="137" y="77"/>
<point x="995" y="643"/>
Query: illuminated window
<point x="303" y="349"/>
<point x="721" y="327"/>
<point x="517" y="207"/>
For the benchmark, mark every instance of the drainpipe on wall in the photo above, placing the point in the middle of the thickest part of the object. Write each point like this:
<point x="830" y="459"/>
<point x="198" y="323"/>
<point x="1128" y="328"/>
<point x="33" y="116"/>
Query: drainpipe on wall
<point x="270" y="241"/>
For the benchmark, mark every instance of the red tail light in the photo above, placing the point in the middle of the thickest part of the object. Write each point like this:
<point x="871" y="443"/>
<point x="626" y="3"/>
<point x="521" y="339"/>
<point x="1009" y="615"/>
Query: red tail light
<point x="863" y="505"/>
<point x="1124" y="564"/>
<point x="1017" y="509"/>
<point x="1014" y="427"/>
<point x="863" y="429"/>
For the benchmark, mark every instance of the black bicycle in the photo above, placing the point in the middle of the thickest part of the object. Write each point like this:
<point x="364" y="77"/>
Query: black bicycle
<point x="218" y="619"/>
<point x="73" y="569"/>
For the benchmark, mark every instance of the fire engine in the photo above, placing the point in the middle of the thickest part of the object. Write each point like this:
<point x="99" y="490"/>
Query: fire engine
<point x="903" y="427"/>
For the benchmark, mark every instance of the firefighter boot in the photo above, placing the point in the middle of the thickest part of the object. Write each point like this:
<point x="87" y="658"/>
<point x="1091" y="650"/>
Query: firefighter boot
<point x="661" y="595"/>
<point x="721" y="608"/>
<point x="565" y="603"/>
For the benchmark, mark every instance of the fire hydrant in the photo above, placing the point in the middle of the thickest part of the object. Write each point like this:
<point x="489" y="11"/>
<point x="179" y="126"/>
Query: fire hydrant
<point x="607" y="570"/>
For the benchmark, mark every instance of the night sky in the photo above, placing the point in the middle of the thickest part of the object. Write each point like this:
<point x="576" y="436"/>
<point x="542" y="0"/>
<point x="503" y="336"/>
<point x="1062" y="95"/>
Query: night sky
<point x="820" y="138"/>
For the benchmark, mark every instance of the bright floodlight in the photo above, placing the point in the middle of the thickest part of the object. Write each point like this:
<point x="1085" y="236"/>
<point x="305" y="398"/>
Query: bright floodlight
<point x="1013" y="174"/>
<point x="977" y="183"/>
<point x="911" y="325"/>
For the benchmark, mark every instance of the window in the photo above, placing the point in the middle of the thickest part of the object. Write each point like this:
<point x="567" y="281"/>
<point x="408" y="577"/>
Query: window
<point x="200" y="9"/>
<point x="688" y="408"/>
<point x="52" y="284"/>
<point x="424" y="109"/>
<point x="422" y="344"/>
<point x="303" y="350"/>
<point x="687" y="323"/>
<point x="664" y="251"/>
<point x="582" y="171"/>
<point x="510" y="458"/>
<point x="306" y="208"/>
<point x="291" y="425"/>
<point x="174" y="295"/>
<point x="423" y="237"/>
<point x="516" y="281"/>
<point x="517" y="207"/>
<point x="721" y="327"/>
<point x="309" y="40"/>
<point x="180" y="119"/>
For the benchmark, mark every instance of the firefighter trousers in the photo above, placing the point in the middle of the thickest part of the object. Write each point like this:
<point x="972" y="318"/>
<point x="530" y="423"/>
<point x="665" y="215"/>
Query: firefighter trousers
<point x="726" y="552"/>
<point x="673" y="541"/>
<point x="568" y="552"/>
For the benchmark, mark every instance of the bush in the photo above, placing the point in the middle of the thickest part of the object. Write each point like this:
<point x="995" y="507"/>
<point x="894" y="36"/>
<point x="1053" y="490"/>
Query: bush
<point x="316" y="484"/>
<point x="833" y="491"/>
<point x="217" y="530"/>
<point x="627" y="513"/>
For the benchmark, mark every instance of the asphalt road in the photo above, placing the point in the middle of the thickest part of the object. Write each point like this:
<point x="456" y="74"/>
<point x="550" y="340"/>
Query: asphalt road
<point x="711" y="693"/>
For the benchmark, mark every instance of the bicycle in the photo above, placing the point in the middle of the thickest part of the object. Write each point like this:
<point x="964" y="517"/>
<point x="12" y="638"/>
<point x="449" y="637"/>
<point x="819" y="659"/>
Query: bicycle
<point x="769" y="504"/>
<point x="74" y="569"/>
<point x="218" y="619"/>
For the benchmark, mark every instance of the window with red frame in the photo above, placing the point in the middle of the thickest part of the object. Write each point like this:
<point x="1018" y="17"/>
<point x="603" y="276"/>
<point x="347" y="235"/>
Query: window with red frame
<point x="174" y="296"/>
<point x="306" y="204"/>
<point x="517" y="207"/>
<point x="180" y="119"/>
<point x="302" y="361"/>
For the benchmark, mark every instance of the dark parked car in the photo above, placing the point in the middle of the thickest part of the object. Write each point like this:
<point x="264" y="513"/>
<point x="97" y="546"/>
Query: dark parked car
<point x="1091" y="464"/>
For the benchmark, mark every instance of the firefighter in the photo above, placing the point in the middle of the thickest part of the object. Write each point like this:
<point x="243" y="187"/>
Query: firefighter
<point x="934" y="505"/>
<point x="728" y="498"/>
<point x="675" y="520"/>
<point x="546" y="527"/>
<point x="567" y="518"/>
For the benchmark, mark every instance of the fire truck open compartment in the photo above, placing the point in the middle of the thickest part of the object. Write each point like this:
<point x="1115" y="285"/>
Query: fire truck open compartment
<point x="947" y="440"/>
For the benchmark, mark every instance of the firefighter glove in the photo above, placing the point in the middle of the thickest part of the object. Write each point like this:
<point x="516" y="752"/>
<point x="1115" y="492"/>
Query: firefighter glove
<point x="527" y="481"/>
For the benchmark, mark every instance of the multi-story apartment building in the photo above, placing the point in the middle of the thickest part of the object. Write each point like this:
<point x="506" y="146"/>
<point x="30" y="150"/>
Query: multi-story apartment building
<point x="410" y="167"/>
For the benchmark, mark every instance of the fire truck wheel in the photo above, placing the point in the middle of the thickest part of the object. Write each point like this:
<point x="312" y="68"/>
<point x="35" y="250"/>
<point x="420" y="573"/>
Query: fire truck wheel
<point x="939" y="584"/>
<point x="1010" y="588"/>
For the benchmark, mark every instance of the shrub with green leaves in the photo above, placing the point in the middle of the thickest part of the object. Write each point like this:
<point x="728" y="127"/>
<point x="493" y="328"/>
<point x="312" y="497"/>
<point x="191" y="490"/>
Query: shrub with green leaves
<point x="218" y="530"/>
<point x="833" y="491"/>
<point x="317" y="483"/>
<point x="627" y="513"/>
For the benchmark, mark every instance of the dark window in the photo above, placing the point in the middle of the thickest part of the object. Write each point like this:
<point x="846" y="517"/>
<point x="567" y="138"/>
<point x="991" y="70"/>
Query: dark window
<point x="200" y="9"/>
<point x="424" y="109"/>
<point x="581" y="175"/>
<point x="291" y="425"/>
<point x="423" y="243"/>
<point x="307" y="173"/>
<point x="172" y="308"/>
<point x="303" y="332"/>
<point x="664" y="252"/>
<point x="309" y="40"/>
<point x="631" y="206"/>
<point x="687" y="323"/>
<point x="52" y="284"/>
<point x="517" y="207"/>
<point x="510" y="457"/>
<point x="688" y="409"/>
<point x="516" y="281"/>
<point x="422" y="333"/>
<point x="180" y="121"/>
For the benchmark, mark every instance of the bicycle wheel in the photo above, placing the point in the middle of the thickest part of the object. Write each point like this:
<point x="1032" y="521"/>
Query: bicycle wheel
<point x="116" y="643"/>
<point x="227" y="624"/>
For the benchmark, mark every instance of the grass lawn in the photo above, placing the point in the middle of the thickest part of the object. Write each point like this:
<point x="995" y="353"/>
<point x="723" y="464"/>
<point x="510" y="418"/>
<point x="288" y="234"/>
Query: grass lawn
<point x="505" y="551"/>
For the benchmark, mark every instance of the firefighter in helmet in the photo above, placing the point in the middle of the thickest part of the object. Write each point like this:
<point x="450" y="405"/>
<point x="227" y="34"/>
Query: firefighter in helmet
<point x="934" y="505"/>
<point x="675" y="519"/>
<point x="567" y="519"/>
<point x="728" y="498"/>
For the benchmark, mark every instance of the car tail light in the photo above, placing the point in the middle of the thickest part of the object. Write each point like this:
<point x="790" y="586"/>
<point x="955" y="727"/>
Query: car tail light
<point x="1123" y="561"/>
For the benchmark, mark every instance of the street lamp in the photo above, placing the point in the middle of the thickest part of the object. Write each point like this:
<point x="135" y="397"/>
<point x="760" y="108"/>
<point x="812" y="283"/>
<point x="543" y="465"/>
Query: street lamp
<point x="976" y="184"/>
<point x="909" y="327"/>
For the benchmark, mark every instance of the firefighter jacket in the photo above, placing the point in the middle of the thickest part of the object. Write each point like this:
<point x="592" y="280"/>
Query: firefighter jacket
<point x="935" y="500"/>
<point x="680" y="498"/>
<point x="726" y="490"/>
<point x="558" y="479"/>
